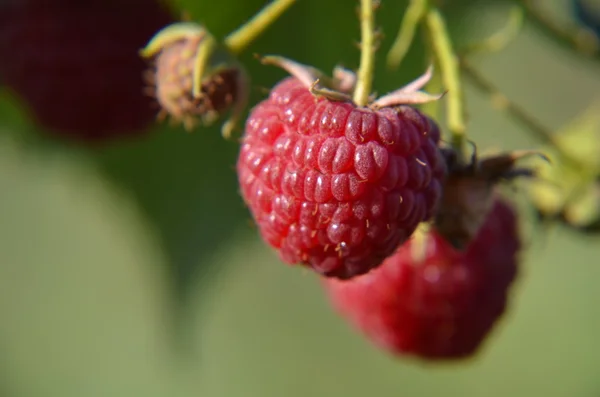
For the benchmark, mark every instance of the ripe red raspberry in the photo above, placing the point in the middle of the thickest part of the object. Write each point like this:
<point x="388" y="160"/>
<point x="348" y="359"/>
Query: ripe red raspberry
<point x="430" y="300"/>
<point x="334" y="186"/>
<point x="76" y="63"/>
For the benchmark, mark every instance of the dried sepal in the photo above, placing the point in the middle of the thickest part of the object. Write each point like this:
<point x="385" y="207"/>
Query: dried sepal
<point x="341" y="86"/>
<point x="470" y="190"/>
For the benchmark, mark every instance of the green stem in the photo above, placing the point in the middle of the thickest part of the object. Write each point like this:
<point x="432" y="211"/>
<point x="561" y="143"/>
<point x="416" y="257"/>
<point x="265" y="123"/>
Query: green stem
<point x="433" y="108"/>
<point x="450" y="71"/>
<point x="515" y="111"/>
<point x="583" y="41"/>
<point x="412" y="17"/>
<point x="367" y="53"/>
<point x="205" y="52"/>
<point x="499" y="40"/>
<point x="239" y="39"/>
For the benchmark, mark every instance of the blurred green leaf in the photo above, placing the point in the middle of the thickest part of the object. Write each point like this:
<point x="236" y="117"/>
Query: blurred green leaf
<point x="569" y="189"/>
<point x="581" y="137"/>
<point x="83" y="308"/>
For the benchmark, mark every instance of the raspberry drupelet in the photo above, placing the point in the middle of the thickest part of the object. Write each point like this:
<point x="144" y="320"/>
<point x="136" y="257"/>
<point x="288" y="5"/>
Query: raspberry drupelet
<point x="334" y="186"/>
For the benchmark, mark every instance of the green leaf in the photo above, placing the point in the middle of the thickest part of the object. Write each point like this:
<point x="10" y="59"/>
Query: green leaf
<point x="186" y="184"/>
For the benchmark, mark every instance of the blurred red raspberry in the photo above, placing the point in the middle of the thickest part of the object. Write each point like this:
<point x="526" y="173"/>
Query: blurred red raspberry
<point x="76" y="63"/>
<point x="431" y="300"/>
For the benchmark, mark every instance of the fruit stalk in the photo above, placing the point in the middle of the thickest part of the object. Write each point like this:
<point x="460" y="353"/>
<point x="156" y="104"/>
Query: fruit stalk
<point x="205" y="51"/>
<point x="433" y="108"/>
<point x="239" y="39"/>
<point x="367" y="53"/>
<point x="413" y="15"/>
<point x="449" y="67"/>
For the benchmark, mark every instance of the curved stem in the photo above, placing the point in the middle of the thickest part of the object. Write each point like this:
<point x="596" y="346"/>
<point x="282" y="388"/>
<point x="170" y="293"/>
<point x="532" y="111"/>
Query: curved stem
<point x="412" y="17"/>
<point x="499" y="40"/>
<point x="435" y="84"/>
<point x="367" y="53"/>
<point x="205" y="52"/>
<point x="239" y="39"/>
<point x="449" y="68"/>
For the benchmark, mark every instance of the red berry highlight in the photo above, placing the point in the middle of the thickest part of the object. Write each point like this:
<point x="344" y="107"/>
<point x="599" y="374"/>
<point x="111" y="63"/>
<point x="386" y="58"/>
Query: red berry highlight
<point x="337" y="187"/>
<point x="430" y="300"/>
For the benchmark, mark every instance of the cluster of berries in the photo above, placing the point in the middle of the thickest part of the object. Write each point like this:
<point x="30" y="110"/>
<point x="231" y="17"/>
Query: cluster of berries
<point x="415" y="247"/>
<point x="413" y="243"/>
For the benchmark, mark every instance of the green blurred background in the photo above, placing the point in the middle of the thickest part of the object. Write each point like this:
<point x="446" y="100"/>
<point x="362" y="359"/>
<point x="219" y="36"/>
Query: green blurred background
<point x="133" y="270"/>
